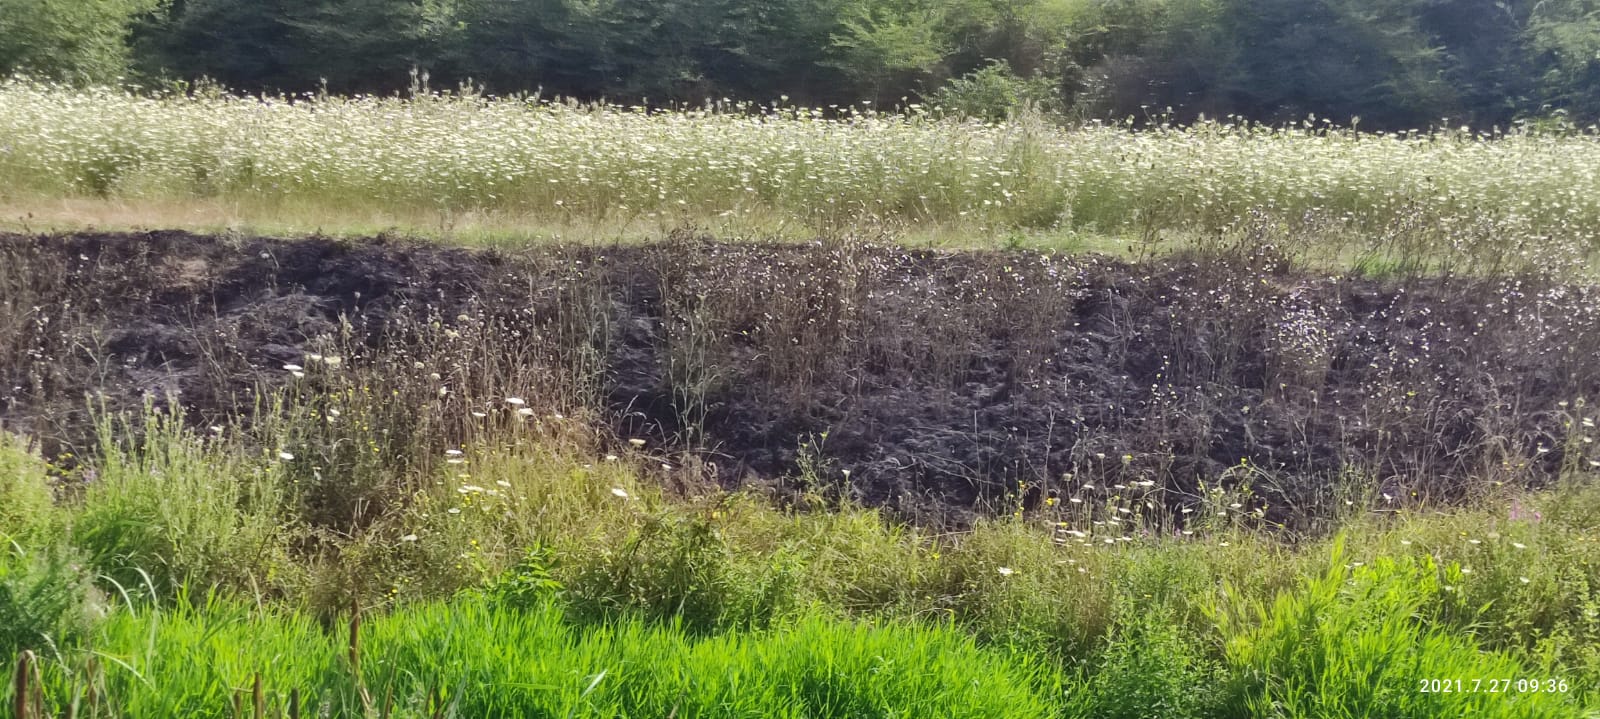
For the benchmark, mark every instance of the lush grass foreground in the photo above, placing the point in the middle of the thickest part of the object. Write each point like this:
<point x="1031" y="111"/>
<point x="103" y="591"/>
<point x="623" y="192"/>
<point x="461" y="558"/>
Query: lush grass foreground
<point x="561" y="163"/>
<point x="1334" y="651"/>
<point x="476" y="658"/>
<point x="545" y="584"/>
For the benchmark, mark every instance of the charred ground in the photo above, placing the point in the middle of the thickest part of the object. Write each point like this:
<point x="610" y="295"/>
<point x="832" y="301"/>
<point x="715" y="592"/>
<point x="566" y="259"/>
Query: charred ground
<point x="932" y="384"/>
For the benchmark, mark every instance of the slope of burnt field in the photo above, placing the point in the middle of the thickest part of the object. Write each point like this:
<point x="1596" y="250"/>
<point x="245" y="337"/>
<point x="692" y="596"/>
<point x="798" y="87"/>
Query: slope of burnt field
<point x="932" y="384"/>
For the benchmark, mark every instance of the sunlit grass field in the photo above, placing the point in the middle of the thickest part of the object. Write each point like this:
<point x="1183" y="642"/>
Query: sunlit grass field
<point x="509" y="161"/>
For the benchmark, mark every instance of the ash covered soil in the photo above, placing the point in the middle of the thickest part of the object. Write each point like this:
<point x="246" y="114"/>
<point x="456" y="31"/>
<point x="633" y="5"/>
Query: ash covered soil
<point x="936" y="385"/>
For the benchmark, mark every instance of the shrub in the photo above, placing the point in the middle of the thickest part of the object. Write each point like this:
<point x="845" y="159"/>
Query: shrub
<point x="529" y="583"/>
<point x="994" y="93"/>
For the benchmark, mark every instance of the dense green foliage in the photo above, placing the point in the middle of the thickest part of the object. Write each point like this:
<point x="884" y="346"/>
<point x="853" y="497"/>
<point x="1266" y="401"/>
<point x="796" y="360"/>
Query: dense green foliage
<point x="24" y="490"/>
<point x="1394" y="64"/>
<point x="80" y="41"/>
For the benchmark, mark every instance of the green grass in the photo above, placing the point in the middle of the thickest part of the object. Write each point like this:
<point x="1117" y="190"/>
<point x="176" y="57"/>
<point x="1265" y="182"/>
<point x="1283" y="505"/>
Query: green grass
<point x="26" y="508"/>
<point x="225" y="529"/>
<point x="1350" y="644"/>
<point x="485" y="660"/>
<point x="1346" y="644"/>
<point x="556" y="566"/>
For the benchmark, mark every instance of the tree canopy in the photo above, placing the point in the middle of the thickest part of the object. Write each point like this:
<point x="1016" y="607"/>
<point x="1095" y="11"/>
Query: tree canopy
<point x="1391" y="63"/>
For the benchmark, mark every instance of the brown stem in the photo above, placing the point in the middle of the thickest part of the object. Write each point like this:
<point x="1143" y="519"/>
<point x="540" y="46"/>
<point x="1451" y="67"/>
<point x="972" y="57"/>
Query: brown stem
<point x="19" y="700"/>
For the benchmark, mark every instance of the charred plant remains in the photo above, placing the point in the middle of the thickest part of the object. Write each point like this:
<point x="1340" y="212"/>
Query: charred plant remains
<point x="936" y="385"/>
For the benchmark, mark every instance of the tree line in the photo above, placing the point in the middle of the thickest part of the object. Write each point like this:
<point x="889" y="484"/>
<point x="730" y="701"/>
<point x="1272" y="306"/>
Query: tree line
<point x="1393" y="64"/>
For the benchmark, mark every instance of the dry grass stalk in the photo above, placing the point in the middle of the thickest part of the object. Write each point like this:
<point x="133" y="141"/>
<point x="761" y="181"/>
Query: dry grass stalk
<point x="19" y="696"/>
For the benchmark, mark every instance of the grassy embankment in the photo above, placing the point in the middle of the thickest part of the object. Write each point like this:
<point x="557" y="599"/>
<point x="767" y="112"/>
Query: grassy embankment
<point x="631" y="602"/>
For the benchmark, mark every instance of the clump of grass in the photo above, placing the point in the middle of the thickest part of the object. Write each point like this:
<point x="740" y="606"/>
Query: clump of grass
<point x="1520" y="574"/>
<point x="1149" y="667"/>
<point x="1352" y="643"/>
<point x="46" y="599"/>
<point x="176" y="507"/>
<point x="27" y="509"/>
<point x="194" y="659"/>
<point x="45" y="594"/>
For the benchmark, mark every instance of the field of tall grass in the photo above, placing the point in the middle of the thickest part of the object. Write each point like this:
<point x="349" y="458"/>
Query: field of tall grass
<point x="461" y="154"/>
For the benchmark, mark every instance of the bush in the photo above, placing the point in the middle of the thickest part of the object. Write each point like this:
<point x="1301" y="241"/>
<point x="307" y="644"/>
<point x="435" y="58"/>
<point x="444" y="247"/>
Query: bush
<point x="994" y="93"/>
<point x="80" y="41"/>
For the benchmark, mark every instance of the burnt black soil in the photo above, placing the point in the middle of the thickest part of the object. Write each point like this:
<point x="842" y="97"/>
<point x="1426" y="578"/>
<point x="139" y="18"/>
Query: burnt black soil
<point x="932" y="384"/>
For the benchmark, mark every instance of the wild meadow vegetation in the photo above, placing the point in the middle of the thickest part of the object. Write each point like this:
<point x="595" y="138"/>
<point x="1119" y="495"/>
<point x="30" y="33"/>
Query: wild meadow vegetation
<point x="750" y="169"/>
<point x="1321" y="444"/>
